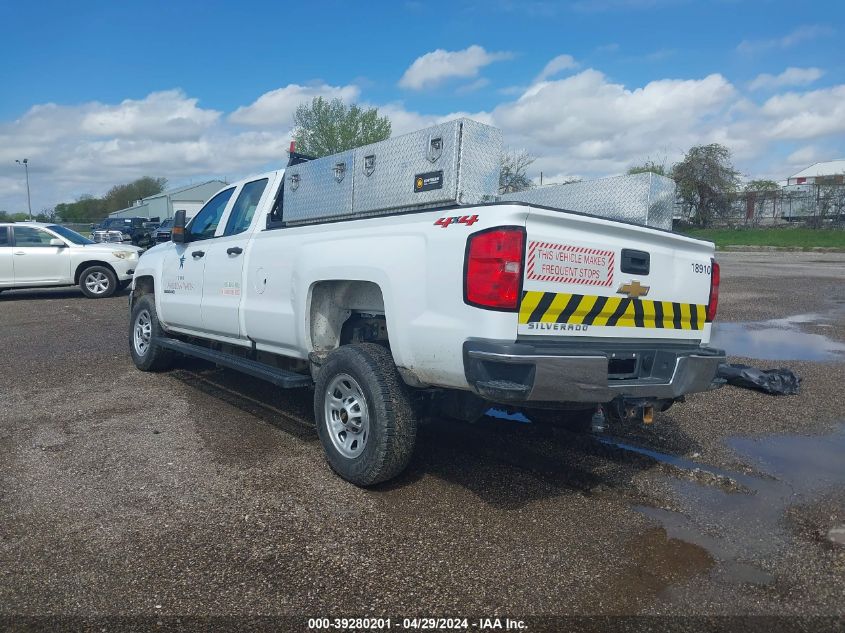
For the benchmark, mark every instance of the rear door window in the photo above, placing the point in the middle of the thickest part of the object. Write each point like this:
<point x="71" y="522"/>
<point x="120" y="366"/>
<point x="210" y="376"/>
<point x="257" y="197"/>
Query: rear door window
<point x="242" y="213"/>
<point x="4" y="236"/>
<point x="29" y="236"/>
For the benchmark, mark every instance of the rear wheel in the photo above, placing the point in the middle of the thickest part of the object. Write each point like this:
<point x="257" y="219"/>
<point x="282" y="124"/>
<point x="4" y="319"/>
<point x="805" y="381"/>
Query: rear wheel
<point x="364" y="415"/>
<point x="98" y="282"/>
<point x="144" y="330"/>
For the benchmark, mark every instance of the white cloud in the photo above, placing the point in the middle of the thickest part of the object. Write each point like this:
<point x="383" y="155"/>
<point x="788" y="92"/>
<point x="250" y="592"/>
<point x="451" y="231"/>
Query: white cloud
<point x="800" y="34"/>
<point x="792" y="76"/>
<point x="584" y="124"/>
<point x="807" y="155"/>
<point x="168" y="115"/>
<point x="604" y="125"/>
<point x="440" y="65"/>
<point x="813" y="114"/>
<point x="277" y="107"/>
<point x="557" y="65"/>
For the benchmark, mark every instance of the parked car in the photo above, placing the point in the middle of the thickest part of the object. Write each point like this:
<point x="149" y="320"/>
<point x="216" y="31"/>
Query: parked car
<point x="162" y="233"/>
<point x="34" y="255"/>
<point x="118" y="230"/>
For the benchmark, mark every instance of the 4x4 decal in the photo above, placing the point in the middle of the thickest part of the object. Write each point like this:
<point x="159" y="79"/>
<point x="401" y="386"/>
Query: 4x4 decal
<point x="469" y="220"/>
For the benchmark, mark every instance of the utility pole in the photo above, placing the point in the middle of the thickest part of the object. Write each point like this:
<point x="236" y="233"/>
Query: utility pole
<point x="25" y="163"/>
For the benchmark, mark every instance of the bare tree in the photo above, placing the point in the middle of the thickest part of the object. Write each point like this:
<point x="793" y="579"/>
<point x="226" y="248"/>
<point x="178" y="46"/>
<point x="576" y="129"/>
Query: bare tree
<point x="706" y="178"/>
<point x="830" y="200"/>
<point x="513" y="175"/>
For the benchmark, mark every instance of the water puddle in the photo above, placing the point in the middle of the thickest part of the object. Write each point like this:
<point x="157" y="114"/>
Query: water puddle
<point x="777" y="339"/>
<point x="500" y="414"/>
<point x="736" y="528"/>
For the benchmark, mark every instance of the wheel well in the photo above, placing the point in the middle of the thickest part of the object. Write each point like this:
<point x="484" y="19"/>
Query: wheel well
<point x="143" y="286"/>
<point x="88" y="264"/>
<point x="343" y="311"/>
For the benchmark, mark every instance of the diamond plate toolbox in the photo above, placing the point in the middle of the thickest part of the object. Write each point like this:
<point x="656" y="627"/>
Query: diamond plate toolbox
<point x="453" y="163"/>
<point x="646" y="199"/>
<point x="319" y="188"/>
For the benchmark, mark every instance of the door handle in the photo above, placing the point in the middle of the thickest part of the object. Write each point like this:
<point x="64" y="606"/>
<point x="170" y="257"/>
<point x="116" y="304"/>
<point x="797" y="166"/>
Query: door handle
<point x="19" y="253"/>
<point x="234" y="250"/>
<point x="197" y="254"/>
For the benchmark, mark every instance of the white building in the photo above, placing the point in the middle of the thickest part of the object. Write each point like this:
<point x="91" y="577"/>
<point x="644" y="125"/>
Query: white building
<point x="831" y="172"/>
<point x="163" y="205"/>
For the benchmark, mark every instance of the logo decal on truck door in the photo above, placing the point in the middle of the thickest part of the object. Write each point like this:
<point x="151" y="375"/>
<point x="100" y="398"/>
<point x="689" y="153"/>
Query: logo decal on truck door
<point x="569" y="264"/>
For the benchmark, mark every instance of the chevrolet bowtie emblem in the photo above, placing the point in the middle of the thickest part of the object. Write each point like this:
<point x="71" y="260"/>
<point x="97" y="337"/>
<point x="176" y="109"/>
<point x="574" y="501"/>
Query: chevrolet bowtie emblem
<point x="633" y="289"/>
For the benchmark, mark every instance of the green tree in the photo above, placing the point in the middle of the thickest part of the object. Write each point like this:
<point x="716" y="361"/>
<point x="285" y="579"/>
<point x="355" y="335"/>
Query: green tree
<point x="762" y="185"/>
<point x="87" y="208"/>
<point x="122" y="196"/>
<point x="513" y="176"/>
<point x="706" y="178"/>
<point x="648" y="166"/>
<point x="328" y="127"/>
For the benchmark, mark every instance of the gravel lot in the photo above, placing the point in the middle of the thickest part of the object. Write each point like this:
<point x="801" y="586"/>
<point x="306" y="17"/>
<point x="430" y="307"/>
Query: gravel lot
<point x="199" y="492"/>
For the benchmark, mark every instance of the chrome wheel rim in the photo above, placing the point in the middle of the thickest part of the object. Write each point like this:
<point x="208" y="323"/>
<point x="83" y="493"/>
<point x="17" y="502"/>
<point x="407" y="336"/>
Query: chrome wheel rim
<point x="347" y="416"/>
<point x="97" y="282"/>
<point x="142" y="332"/>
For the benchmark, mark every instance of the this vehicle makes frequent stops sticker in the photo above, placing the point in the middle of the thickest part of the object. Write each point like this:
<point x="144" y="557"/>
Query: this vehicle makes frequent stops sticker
<point x="569" y="264"/>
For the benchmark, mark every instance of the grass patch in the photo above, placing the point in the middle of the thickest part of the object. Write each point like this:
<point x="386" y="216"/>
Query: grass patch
<point x="798" y="238"/>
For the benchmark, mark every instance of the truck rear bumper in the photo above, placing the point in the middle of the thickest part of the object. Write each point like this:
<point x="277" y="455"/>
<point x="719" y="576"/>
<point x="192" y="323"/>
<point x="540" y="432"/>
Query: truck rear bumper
<point x="595" y="371"/>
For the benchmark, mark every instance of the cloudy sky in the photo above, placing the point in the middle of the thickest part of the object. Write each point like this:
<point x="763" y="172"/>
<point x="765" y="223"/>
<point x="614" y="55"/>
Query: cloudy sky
<point x="97" y="93"/>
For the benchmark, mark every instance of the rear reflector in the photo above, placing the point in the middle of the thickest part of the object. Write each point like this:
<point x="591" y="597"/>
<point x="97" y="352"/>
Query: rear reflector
<point x="493" y="268"/>
<point x="713" y="304"/>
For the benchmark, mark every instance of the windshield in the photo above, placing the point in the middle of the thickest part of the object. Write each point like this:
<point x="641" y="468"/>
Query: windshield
<point x="166" y="224"/>
<point x="70" y="236"/>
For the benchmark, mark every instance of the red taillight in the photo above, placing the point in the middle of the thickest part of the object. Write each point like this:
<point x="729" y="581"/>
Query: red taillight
<point x="713" y="304"/>
<point x="493" y="268"/>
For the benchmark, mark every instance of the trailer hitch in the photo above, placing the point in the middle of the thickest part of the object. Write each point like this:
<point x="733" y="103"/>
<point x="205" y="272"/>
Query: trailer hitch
<point x="639" y="410"/>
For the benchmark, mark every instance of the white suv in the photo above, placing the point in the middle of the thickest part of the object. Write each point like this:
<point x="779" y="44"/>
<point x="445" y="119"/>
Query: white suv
<point x="35" y="255"/>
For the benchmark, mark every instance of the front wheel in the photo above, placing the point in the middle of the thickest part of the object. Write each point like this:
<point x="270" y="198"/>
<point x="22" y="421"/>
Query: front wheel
<point x="365" y="419"/>
<point x="98" y="282"/>
<point x="144" y="330"/>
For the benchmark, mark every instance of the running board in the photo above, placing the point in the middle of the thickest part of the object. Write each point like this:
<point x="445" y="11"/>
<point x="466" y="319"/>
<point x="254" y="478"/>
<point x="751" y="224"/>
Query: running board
<point x="281" y="377"/>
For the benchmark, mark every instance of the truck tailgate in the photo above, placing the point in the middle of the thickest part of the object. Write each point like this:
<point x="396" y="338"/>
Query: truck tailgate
<point x="590" y="277"/>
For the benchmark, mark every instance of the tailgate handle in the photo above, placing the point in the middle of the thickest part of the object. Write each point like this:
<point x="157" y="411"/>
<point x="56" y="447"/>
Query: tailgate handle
<point x="635" y="262"/>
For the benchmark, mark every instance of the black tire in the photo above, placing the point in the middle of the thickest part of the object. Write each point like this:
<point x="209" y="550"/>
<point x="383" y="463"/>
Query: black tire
<point x="151" y="357"/>
<point x="392" y="423"/>
<point x="123" y="285"/>
<point x="98" y="282"/>
<point x="576" y="420"/>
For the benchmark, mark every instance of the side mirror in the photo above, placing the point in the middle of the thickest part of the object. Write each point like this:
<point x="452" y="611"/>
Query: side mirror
<point x="177" y="233"/>
<point x="57" y="242"/>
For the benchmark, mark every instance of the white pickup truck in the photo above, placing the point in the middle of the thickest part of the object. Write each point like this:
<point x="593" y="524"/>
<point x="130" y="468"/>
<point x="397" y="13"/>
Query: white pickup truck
<point x="390" y="317"/>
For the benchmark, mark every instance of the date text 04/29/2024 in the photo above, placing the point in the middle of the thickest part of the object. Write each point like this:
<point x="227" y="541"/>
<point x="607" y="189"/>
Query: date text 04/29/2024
<point x="417" y="624"/>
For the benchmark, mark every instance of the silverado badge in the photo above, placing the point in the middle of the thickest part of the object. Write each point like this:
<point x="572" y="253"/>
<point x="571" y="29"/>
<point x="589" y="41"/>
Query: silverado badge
<point x="633" y="289"/>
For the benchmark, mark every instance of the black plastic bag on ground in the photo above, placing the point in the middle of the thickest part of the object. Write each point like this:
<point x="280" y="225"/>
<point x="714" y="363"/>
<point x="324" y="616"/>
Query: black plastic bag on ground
<point x="779" y="382"/>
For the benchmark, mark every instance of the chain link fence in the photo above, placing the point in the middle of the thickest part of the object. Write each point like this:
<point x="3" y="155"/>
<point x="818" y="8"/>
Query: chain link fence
<point x="815" y="206"/>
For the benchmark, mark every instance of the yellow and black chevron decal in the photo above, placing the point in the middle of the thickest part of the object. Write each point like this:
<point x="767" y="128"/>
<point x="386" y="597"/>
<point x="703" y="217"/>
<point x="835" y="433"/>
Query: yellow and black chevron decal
<point x="565" y="308"/>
